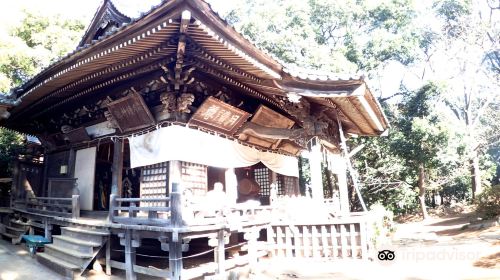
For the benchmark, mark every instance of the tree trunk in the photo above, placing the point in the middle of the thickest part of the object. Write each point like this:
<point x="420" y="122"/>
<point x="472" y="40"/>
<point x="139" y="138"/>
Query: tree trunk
<point x="421" y="190"/>
<point x="475" y="173"/>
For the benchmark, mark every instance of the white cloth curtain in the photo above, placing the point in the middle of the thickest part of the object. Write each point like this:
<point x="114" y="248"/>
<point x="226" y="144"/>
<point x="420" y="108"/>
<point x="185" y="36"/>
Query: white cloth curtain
<point x="185" y="144"/>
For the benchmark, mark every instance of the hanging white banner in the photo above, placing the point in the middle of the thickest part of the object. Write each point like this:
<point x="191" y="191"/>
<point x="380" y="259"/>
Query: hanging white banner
<point x="190" y="145"/>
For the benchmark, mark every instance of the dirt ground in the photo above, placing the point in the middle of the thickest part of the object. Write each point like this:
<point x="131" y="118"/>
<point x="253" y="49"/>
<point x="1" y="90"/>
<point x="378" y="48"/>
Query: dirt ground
<point x="438" y="248"/>
<point x="435" y="249"/>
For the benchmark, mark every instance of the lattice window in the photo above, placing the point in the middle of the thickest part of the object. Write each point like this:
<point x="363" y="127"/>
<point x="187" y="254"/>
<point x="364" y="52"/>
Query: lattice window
<point x="281" y="184"/>
<point x="291" y="185"/>
<point x="154" y="183"/>
<point x="194" y="177"/>
<point x="262" y="177"/>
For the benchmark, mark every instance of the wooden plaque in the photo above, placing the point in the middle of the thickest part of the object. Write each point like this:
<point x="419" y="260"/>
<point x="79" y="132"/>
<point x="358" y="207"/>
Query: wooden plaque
<point x="131" y="113"/>
<point x="269" y="118"/>
<point x="78" y="135"/>
<point x="219" y="116"/>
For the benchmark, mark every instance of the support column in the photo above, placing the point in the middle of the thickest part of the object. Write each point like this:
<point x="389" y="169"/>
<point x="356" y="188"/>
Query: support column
<point x="252" y="236"/>
<point x="48" y="229"/>
<point x="117" y="169"/>
<point x="231" y="186"/>
<point x="129" y="256"/>
<point x="220" y="256"/>
<point x="340" y="169"/>
<point x="175" y="256"/>
<point x="175" y="241"/>
<point x="315" y="160"/>
<point x="108" y="255"/>
<point x="175" y="175"/>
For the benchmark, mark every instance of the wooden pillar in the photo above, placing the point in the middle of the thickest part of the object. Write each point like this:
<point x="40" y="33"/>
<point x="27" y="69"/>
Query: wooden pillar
<point x="175" y="256"/>
<point x="108" y="255"/>
<point x="251" y="236"/>
<point x="75" y="206"/>
<point x="273" y="192"/>
<point x="338" y="167"/>
<point x="220" y="255"/>
<point x="48" y="229"/>
<point x="129" y="256"/>
<point x="14" y="193"/>
<point x="175" y="242"/>
<point x="315" y="160"/>
<point x="231" y="186"/>
<point x="117" y="169"/>
<point x="175" y="175"/>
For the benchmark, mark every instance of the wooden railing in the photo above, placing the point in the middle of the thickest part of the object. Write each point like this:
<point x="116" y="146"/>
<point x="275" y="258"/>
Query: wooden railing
<point x="54" y="206"/>
<point x="172" y="212"/>
<point x="342" y="238"/>
<point x="134" y="213"/>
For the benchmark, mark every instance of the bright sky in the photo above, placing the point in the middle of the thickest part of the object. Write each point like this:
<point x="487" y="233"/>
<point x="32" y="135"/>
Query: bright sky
<point x="83" y="9"/>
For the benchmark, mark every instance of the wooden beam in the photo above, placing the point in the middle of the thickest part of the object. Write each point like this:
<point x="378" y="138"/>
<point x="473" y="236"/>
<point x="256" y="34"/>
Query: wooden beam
<point x="117" y="169"/>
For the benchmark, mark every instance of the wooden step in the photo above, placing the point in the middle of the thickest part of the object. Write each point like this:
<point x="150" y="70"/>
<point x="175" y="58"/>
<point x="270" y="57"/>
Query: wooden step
<point x="9" y="235"/>
<point x="16" y="229"/>
<point x="71" y="256"/>
<point x="60" y="266"/>
<point x="71" y="243"/>
<point x="18" y="222"/>
<point x="87" y="231"/>
<point x="84" y="234"/>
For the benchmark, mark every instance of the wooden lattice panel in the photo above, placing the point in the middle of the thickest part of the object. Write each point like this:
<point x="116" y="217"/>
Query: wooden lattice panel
<point x="154" y="183"/>
<point x="194" y="177"/>
<point x="262" y="178"/>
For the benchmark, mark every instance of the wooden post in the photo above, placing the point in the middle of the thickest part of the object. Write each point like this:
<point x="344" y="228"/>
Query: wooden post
<point x="175" y="256"/>
<point x="251" y="237"/>
<point x="333" y="241"/>
<point x="112" y="207"/>
<point x="75" y="206"/>
<point x="343" y="193"/>
<point x="129" y="256"/>
<point x="220" y="256"/>
<point x="108" y="255"/>
<point x="316" y="173"/>
<point x="174" y="174"/>
<point x="362" y="238"/>
<point x="117" y="168"/>
<point x="45" y="179"/>
<point x="175" y="242"/>
<point x="352" y="233"/>
<point x="14" y="193"/>
<point x="343" y="240"/>
<point x="175" y="206"/>
<point x="338" y="167"/>
<point x="231" y="186"/>
<point x="48" y="230"/>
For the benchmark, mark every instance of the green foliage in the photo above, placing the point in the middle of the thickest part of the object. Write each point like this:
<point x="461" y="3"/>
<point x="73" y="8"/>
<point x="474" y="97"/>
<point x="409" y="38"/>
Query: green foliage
<point x="488" y="202"/>
<point x="382" y="225"/>
<point x="420" y="135"/>
<point x="10" y="143"/>
<point x="24" y="50"/>
<point x="331" y="35"/>
<point x="32" y="45"/>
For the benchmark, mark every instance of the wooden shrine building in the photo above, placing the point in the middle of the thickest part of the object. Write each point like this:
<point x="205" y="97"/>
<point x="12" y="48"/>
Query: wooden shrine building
<point x="171" y="128"/>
